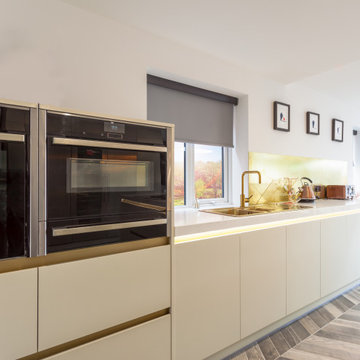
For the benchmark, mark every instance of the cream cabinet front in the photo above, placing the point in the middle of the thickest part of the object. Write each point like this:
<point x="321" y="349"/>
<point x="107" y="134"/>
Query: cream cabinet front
<point x="263" y="278"/>
<point x="82" y="297"/>
<point x="353" y="226"/>
<point x="335" y="254"/>
<point x="206" y="297"/>
<point x="150" y="341"/>
<point x="302" y="265"/>
<point x="18" y="314"/>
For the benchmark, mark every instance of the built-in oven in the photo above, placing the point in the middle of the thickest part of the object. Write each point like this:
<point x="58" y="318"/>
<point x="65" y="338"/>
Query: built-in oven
<point x="18" y="131"/>
<point x="106" y="181"/>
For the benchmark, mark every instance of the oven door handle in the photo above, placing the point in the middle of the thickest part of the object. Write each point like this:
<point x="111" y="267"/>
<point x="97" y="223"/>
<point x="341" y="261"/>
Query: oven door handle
<point x="144" y="205"/>
<point x="12" y="137"/>
<point x="106" y="227"/>
<point x="107" y="144"/>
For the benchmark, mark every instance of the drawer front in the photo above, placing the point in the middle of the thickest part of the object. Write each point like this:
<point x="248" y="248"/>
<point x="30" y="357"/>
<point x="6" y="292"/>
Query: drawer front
<point x="18" y="314"/>
<point x="150" y="341"/>
<point x="82" y="297"/>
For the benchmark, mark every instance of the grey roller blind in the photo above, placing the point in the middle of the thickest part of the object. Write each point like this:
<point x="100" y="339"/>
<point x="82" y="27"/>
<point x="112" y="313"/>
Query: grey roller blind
<point x="197" y="119"/>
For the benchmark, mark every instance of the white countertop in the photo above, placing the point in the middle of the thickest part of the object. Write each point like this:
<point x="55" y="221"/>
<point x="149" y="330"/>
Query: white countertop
<point x="194" y="221"/>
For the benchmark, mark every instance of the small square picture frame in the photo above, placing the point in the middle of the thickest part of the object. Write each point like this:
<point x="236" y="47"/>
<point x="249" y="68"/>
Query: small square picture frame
<point x="337" y="133"/>
<point x="312" y="123"/>
<point x="281" y="116"/>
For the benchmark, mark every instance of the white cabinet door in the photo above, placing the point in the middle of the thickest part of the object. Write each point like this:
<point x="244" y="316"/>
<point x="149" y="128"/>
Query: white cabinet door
<point x="18" y="314"/>
<point x="150" y="341"/>
<point x="353" y="226"/>
<point x="206" y="296"/>
<point x="303" y="264"/>
<point x="82" y="297"/>
<point x="263" y="278"/>
<point x="335" y="254"/>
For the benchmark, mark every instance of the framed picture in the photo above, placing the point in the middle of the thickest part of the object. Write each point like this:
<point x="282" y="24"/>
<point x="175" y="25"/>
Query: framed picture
<point x="337" y="130"/>
<point x="312" y="123"/>
<point x="281" y="116"/>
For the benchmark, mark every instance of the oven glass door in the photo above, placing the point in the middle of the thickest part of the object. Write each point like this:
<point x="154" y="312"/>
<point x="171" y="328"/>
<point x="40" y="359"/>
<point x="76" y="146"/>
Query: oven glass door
<point x="90" y="186"/>
<point x="13" y="234"/>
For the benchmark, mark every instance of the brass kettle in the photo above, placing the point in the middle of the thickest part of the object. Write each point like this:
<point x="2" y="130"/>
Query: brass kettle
<point x="307" y="193"/>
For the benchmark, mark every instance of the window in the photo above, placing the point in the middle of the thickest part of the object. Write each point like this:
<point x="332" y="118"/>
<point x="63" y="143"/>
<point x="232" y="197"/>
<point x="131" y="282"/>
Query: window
<point x="201" y="173"/>
<point x="179" y="174"/>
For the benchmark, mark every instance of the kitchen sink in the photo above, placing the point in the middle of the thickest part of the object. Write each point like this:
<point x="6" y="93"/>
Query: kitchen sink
<point x="256" y="209"/>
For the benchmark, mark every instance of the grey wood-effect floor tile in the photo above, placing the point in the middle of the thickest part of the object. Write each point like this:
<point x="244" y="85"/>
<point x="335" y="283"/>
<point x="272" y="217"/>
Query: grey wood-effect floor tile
<point x="332" y="309"/>
<point x="254" y="353"/>
<point x="290" y="336"/>
<point x="353" y="297"/>
<point x="326" y="314"/>
<point x="341" y="331"/>
<point x="344" y="322"/>
<point x="318" y="319"/>
<point x="329" y="347"/>
<point x="351" y="315"/>
<point x="346" y="301"/>
<point x="339" y="305"/>
<point x="356" y="307"/>
<point x="280" y="342"/>
<point x="290" y="339"/>
<point x="309" y="325"/>
<point x="268" y="349"/>
<point x="241" y="356"/>
<point x="295" y="354"/>
<point x="299" y="330"/>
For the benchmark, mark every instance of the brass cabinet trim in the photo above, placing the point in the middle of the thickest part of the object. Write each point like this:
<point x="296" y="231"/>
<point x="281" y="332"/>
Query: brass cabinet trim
<point x="107" y="144"/>
<point x="105" y="227"/>
<point x="22" y="263"/>
<point x="12" y="137"/>
<point x="96" y="336"/>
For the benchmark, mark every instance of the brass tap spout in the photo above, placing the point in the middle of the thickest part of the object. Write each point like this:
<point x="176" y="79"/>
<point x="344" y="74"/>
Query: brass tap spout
<point x="243" y="199"/>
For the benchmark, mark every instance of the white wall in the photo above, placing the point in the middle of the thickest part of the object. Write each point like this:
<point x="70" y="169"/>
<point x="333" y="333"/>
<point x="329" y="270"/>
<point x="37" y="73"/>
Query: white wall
<point x="59" y="55"/>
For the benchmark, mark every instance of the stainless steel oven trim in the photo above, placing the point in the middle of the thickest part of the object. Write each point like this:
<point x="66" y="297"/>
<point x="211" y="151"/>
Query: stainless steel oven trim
<point x="71" y="112"/>
<point x="42" y="182"/>
<point x="34" y="189"/>
<point x="12" y="137"/>
<point x="107" y="144"/>
<point x="106" y="227"/>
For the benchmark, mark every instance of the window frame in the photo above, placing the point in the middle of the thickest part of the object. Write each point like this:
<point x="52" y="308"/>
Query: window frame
<point x="189" y="179"/>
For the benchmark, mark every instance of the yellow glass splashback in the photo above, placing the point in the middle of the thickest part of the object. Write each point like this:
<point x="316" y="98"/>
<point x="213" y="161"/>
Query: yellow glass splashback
<point x="275" y="168"/>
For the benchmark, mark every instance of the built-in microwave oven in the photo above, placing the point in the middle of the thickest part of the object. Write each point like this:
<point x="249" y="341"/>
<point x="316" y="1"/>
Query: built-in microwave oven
<point x="106" y="181"/>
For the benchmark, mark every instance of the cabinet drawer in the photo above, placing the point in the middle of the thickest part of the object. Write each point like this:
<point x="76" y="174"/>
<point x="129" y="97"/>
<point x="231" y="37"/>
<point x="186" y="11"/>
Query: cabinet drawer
<point x="18" y="314"/>
<point x="82" y="297"/>
<point x="150" y="341"/>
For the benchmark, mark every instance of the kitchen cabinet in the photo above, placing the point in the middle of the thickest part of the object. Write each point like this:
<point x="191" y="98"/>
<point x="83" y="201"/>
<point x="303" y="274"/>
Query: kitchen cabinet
<point x="353" y="226"/>
<point x="263" y="278"/>
<point x="302" y="264"/>
<point x="18" y="314"/>
<point x="150" y="341"/>
<point x="82" y="297"/>
<point x="206" y="296"/>
<point x="335" y="254"/>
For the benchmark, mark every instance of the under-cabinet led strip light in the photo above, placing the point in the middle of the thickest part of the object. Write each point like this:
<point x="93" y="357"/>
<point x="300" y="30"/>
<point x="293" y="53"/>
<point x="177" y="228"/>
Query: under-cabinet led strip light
<point x="248" y="228"/>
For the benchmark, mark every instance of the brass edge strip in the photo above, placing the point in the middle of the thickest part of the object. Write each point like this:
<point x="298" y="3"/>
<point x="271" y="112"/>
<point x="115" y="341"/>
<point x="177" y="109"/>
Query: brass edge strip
<point x="80" y="254"/>
<point x="95" y="336"/>
<point x="248" y="228"/>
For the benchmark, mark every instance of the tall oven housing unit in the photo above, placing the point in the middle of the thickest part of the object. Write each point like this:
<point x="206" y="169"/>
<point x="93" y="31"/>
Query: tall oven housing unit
<point x="106" y="181"/>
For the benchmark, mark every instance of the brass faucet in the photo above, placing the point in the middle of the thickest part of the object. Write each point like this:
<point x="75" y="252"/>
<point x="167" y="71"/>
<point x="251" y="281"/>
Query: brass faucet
<point x="243" y="199"/>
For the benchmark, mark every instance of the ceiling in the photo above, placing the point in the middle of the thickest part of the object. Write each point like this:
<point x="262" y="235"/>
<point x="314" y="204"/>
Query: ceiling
<point x="315" y="41"/>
